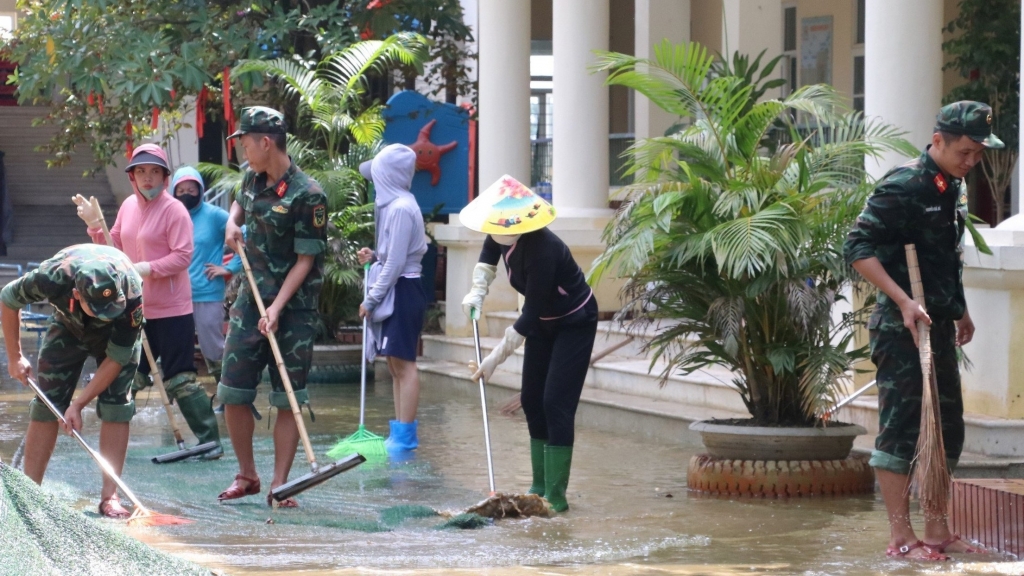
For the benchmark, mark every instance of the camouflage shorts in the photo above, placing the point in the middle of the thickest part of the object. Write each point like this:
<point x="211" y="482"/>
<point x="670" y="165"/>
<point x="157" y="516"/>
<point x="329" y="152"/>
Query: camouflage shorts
<point x="899" y="395"/>
<point x="61" y="359"/>
<point x="247" y="352"/>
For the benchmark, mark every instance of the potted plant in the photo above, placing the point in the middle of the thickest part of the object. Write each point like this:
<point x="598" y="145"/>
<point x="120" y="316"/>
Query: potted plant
<point x="739" y="244"/>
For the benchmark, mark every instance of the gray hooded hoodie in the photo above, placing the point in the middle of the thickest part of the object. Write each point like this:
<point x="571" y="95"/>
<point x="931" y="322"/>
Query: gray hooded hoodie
<point x="401" y="239"/>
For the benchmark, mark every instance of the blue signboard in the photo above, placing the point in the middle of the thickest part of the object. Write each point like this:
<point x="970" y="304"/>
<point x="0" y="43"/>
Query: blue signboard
<point x="439" y="133"/>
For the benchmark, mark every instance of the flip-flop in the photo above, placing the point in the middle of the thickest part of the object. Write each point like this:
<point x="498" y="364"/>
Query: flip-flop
<point x="235" y="491"/>
<point x="286" y="503"/>
<point x="946" y="543"/>
<point x="111" y="508"/>
<point x="901" y="552"/>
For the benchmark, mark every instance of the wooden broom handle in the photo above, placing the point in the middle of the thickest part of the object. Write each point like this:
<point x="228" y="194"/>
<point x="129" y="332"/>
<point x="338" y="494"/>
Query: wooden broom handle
<point x="923" y="332"/>
<point x="280" y="362"/>
<point x="158" y="381"/>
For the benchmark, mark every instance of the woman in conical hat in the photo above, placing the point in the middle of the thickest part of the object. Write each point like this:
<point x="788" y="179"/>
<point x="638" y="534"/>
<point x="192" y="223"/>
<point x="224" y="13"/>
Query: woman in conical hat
<point x="558" y="321"/>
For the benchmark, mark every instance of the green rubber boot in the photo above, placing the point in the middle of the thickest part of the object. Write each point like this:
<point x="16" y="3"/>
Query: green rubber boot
<point x="557" y="461"/>
<point x="195" y="407"/>
<point x="537" y="459"/>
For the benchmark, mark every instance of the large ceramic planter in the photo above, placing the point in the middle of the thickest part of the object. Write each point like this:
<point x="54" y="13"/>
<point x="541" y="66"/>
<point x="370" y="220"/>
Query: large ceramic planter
<point x="728" y="441"/>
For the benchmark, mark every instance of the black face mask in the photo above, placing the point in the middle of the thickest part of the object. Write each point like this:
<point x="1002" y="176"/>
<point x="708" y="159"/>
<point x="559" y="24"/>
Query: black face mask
<point x="189" y="200"/>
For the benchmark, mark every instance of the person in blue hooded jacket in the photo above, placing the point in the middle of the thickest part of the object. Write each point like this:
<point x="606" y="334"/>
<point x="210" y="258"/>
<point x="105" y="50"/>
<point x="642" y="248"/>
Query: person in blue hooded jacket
<point x="395" y="300"/>
<point x="207" y="271"/>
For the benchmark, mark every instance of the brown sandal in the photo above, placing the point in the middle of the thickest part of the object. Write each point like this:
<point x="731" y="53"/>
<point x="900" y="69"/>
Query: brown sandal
<point x="286" y="503"/>
<point x="236" y="491"/>
<point x="111" y="508"/>
<point x="901" y="552"/>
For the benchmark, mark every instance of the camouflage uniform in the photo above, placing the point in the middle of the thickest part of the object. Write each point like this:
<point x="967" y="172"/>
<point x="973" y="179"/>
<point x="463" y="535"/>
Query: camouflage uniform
<point x="107" y="281"/>
<point x="917" y="204"/>
<point x="282" y="222"/>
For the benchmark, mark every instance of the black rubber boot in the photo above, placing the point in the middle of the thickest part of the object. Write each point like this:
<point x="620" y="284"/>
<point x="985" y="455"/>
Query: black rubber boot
<point x="537" y="460"/>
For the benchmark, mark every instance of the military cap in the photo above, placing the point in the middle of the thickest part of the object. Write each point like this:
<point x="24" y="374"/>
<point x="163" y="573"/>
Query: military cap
<point x="971" y="119"/>
<point x="260" y="120"/>
<point x="98" y="285"/>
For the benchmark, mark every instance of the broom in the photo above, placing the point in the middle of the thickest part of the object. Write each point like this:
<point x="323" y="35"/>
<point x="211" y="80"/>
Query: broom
<point x="931" y="473"/>
<point x="362" y="441"/>
<point x="142" y="516"/>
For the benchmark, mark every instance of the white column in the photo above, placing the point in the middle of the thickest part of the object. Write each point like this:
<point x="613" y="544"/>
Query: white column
<point x="657" y="20"/>
<point x="580" y="163"/>
<point x="504" y="90"/>
<point x="903" y="70"/>
<point x="1015" y="201"/>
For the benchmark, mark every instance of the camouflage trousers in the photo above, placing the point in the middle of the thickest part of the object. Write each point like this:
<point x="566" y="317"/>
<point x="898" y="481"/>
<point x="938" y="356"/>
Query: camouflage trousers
<point x="899" y="395"/>
<point x="247" y="352"/>
<point x="61" y="359"/>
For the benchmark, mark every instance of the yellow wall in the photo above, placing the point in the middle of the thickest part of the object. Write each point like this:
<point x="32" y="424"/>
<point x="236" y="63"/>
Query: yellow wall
<point x="844" y="24"/>
<point x="7" y="5"/>
<point x="706" y="23"/>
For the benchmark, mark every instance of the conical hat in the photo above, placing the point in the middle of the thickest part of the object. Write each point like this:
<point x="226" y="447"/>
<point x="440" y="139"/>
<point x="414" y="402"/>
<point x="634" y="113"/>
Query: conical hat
<point x="507" y="207"/>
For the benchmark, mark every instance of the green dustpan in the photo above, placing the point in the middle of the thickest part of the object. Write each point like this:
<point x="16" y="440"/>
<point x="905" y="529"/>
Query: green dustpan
<point x="362" y="441"/>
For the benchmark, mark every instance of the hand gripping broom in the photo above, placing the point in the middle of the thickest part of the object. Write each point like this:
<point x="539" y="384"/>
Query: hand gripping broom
<point x="362" y="441"/>
<point x="142" y="516"/>
<point x="182" y="453"/>
<point x="931" y="473"/>
<point x="317" y="474"/>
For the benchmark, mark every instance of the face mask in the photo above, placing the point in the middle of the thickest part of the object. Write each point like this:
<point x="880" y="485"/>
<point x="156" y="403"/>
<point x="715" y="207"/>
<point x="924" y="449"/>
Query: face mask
<point x="505" y="239"/>
<point x="190" y="201"/>
<point x="149" y="193"/>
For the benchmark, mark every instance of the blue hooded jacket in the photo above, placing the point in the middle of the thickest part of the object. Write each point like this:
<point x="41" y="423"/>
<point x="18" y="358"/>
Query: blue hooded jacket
<point x="208" y="224"/>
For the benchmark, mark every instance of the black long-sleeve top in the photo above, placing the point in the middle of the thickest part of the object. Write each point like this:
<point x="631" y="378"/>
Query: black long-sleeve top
<point x="541" y="268"/>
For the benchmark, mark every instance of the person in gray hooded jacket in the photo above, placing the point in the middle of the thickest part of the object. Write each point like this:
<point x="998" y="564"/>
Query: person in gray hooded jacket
<point x="395" y="297"/>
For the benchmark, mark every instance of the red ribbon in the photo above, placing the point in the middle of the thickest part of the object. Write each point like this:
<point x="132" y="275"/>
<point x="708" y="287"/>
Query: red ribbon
<point x="128" y="145"/>
<point x="201" y="111"/>
<point x="229" y="114"/>
<point x="156" y="119"/>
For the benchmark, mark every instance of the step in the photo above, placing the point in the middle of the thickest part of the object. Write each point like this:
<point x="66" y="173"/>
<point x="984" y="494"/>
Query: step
<point x="625" y="375"/>
<point x="712" y="389"/>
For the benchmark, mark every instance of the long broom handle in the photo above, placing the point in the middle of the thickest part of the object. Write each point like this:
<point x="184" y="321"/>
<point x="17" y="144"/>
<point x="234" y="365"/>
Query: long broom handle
<point x="104" y="465"/>
<point x="923" y="332"/>
<point x="362" y="359"/>
<point x="299" y="423"/>
<point x="483" y="402"/>
<point x="158" y="381"/>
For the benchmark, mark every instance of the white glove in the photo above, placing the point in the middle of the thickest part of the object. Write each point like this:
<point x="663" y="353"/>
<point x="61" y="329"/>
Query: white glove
<point x="501" y="352"/>
<point x="88" y="210"/>
<point x="483" y="275"/>
<point x="142" y="268"/>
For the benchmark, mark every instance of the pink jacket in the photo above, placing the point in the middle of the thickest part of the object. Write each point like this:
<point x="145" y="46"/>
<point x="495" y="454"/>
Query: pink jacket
<point x="158" y="231"/>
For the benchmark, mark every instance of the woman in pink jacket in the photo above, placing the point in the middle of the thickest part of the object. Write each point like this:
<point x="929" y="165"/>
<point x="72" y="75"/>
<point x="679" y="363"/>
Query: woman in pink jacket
<point x="155" y="231"/>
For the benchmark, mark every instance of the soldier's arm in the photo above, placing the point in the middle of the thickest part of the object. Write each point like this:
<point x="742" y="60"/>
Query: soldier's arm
<point x="233" y="227"/>
<point x="296" y="276"/>
<point x="32" y="287"/>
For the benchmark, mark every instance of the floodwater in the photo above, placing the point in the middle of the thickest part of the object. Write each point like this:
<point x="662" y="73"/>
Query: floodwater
<point x="630" y="511"/>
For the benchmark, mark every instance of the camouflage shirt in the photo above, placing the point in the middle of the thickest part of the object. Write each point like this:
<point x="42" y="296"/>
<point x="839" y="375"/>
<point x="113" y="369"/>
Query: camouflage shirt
<point x="915" y="204"/>
<point x="283" y="221"/>
<point x="54" y="281"/>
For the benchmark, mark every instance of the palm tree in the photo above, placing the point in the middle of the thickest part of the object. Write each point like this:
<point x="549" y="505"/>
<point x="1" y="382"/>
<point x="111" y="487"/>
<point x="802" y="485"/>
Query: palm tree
<point x="737" y="247"/>
<point x="343" y="131"/>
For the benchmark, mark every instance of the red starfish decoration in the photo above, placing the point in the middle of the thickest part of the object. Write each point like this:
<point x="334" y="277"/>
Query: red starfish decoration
<point x="428" y="154"/>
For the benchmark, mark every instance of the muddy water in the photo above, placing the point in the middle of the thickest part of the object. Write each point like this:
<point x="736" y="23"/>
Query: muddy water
<point x="630" y="510"/>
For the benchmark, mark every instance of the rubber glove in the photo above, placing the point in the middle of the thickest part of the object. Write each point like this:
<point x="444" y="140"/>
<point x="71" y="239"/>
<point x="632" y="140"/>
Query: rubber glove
<point x="483" y="275"/>
<point x="501" y="352"/>
<point x="88" y="211"/>
<point x="142" y="268"/>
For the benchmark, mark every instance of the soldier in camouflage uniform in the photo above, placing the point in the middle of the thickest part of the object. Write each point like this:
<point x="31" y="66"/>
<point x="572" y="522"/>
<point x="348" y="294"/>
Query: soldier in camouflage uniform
<point x="923" y="202"/>
<point x="96" y="295"/>
<point x="285" y="213"/>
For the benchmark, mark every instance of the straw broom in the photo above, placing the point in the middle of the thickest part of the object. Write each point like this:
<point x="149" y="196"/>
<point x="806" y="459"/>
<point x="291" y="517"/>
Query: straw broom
<point x="930" y="474"/>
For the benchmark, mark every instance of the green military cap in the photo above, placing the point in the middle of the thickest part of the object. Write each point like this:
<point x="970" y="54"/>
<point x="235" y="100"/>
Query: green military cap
<point x="260" y="120"/>
<point x="971" y="119"/>
<point x="98" y="285"/>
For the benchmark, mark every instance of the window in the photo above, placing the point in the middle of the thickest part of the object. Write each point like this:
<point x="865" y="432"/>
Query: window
<point x="860" y="22"/>
<point x="858" y="83"/>
<point x="8" y="20"/>
<point x="790" y="62"/>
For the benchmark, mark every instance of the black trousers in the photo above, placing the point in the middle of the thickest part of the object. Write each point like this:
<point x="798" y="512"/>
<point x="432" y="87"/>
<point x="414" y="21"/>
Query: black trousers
<point x="555" y="364"/>
<point x="173" y="343"/>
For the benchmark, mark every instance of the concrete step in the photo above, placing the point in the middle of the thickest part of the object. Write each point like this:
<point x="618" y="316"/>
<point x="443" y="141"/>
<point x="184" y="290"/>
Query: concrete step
<point x="710" y="388"/>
